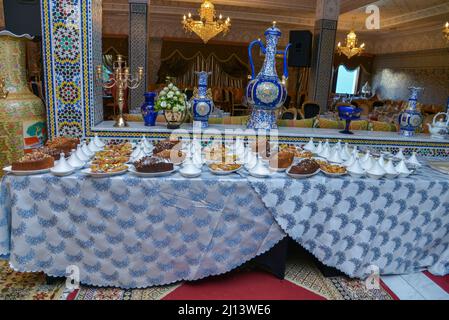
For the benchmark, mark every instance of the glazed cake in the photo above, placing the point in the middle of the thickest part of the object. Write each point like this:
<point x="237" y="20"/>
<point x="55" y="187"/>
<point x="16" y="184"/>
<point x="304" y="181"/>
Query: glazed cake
<point x="34" y="161"/>
<point x="152" y="165"/>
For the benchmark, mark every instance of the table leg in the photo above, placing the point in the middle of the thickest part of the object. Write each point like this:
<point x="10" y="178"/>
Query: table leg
<point x="274" y="261"/>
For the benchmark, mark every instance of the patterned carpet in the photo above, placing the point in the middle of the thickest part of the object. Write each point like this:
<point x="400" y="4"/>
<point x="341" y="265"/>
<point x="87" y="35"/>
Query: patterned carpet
<point x="303" y="281"/>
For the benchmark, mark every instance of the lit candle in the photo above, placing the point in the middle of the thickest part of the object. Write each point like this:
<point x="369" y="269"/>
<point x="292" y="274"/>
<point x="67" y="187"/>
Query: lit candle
<point x="190" y="15"/>
<point x="339" y="44"/>
<point x="362" y="46"/>
<point x="447" y="25"/>
<point x="185" y="17"/>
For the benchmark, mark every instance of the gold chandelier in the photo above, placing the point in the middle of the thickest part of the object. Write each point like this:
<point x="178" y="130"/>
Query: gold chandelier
<point x="208" y="26"/>
<point x="446" y="31"/>
<point x="350" y="49"/>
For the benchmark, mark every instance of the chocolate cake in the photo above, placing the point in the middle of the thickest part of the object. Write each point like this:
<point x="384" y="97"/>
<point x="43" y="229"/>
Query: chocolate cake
<point x="166" y="145"/>
<point x="307" y="166"/>
<point x="34" y="161"/>
<point x="153" y="164"/>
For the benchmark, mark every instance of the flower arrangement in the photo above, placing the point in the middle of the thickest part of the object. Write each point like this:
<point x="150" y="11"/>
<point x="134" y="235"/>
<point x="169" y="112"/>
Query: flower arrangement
<point x="171" y="99"/>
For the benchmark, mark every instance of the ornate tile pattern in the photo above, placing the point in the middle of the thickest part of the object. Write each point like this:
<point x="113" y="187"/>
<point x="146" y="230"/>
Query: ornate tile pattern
<point x="138" y="52"/>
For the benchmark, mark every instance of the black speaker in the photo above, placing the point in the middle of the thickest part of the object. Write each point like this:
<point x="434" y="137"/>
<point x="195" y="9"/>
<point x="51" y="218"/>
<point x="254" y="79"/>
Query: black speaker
<point x="300" y="52"/>
<point x="23" y="16"/>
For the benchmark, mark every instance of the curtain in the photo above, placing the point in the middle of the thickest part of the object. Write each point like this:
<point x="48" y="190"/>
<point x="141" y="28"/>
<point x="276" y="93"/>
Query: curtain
<point x="228" y="63"/>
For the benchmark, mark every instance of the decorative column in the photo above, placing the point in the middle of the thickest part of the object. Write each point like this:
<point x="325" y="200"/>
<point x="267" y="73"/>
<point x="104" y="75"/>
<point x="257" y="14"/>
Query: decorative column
<point x="138" y="49"/>
<point x="327" y="12"/>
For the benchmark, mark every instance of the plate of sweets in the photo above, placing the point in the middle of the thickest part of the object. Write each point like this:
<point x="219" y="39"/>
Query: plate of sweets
<point x="149" y="167"/>
<point x="124" y="148"/>
<point x="333" y="170"/>
<point x="224" y="168"/>
<point x="304" y="169"/>
<point x="35" y="162"/>
<point x="102" y="170"/>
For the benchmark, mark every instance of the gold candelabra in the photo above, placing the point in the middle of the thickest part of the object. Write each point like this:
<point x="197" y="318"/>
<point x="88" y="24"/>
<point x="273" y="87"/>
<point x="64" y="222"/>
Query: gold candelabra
<point x="121" y="80"/>
<point x="3" y="91"/>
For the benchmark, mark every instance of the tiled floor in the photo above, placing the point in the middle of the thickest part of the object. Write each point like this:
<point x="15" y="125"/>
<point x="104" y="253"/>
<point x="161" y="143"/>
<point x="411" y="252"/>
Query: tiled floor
<point x="415" y="286"/>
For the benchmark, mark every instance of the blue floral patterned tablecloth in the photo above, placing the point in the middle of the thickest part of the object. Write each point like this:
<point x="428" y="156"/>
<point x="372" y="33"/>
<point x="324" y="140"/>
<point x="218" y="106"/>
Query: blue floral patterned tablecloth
<point x="363" y="225"/>
<point x="131" y="232"/>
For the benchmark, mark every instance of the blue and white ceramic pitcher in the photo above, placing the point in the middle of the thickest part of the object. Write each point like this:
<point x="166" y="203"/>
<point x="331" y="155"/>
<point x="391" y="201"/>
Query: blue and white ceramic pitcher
<point x="411" y="119"/>
<point x="265" y="92"/>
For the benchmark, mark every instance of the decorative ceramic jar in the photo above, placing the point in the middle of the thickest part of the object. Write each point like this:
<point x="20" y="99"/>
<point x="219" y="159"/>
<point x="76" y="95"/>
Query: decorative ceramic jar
<point x="411" y="119"/>
<point x="202" y="104"/>
<point x="22" y="114"/>
<point x="265" y="92"/>
<point x="174" y="119"/>
<point x="149" y="114"/>
<point x="174" y="105"/>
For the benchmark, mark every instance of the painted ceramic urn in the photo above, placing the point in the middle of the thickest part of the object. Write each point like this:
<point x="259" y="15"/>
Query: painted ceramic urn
<point x="22" y="114"/>
<point x="411" y="119"/>
<point x="266" y="92"/>
<point x="202" y="104"/>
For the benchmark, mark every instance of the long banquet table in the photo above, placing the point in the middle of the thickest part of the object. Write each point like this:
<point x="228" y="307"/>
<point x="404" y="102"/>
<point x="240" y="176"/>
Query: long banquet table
<point x="128" y="232"/>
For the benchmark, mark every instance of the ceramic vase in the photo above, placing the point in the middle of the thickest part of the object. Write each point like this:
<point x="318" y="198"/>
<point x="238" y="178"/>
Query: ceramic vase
<point x="174" y="119"/>
<point x="202" y="104"/>
<point x="22" y="114"/>
<point x="411" y="119"/>
<point x="148" y="113"/>
<point x="265" y="92"/>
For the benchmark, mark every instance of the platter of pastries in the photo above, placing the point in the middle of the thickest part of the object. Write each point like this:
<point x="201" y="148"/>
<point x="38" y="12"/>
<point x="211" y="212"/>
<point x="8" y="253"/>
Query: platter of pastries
<point x="224" y="168"/>
<point x="332" y="169"/>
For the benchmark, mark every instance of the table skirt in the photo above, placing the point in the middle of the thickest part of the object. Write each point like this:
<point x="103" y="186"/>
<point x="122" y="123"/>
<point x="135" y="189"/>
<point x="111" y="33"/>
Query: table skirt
<point x="131" y="232"/>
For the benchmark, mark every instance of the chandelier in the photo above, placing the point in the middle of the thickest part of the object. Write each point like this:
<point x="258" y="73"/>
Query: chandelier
<point x="208" y="26"/>
<point x="446" y="31"/>
<point x="350" y="49"/>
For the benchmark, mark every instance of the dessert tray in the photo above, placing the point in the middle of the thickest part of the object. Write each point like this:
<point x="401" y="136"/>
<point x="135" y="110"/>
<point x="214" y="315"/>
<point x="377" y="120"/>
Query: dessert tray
<point x="223" y="172"/>
<point x="302" y="176"/>
<point x="89" y="172"/>
<point x="25" y="172"/>
<point x="150" y="174"/>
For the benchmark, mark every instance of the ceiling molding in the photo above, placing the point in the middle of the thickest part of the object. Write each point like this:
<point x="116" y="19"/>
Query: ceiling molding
<point x="416" y="15"/>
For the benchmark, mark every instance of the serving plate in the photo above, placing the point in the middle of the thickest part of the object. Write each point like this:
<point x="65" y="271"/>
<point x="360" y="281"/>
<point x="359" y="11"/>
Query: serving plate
<point x="334" y="174"/>
<point x="223" y="173"/>
<point x="88" y="172"/>
<point x="25" y="172"/>
<point x="302" y="176"/>
<point x="440" y="166"/>
<point x="151" y="174"/>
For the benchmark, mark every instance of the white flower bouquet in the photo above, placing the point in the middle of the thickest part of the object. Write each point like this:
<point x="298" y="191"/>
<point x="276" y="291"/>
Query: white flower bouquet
<point x="171" y="99"/>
